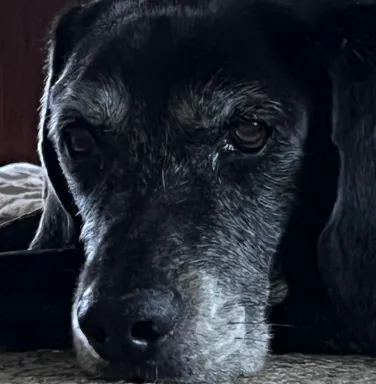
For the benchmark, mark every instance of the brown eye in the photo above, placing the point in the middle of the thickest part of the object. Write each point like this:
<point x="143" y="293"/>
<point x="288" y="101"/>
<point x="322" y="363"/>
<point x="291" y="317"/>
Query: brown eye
<point x="250" y="136"/>
<point x="79" y="142"/>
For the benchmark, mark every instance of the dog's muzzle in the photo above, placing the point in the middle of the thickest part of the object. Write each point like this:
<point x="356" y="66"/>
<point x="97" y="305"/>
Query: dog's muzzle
<point x="130" y="327"/>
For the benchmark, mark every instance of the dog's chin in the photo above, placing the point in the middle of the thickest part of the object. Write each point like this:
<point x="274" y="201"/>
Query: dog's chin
<point x="244" y="355"/>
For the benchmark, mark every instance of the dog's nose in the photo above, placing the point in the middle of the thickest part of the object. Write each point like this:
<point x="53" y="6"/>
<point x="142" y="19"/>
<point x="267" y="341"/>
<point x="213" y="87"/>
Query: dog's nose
<point x="116" y="329"/>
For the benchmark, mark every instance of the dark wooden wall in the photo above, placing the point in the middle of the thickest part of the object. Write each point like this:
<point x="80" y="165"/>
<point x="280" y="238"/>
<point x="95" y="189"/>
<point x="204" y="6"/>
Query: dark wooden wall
<point x="23" y="26"/>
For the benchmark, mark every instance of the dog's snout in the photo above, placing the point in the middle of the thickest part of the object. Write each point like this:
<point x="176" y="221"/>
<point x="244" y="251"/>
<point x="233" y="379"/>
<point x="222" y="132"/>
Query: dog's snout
<point x="118" y="328"/>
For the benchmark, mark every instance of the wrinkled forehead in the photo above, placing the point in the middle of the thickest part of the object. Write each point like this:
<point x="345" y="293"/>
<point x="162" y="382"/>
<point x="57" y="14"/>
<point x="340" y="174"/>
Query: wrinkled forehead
<point x="194" y="79"/>
<point x="109" y="103"/>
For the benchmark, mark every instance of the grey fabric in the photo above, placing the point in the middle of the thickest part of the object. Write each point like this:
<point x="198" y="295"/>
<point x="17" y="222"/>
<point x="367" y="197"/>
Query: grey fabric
<point x="59" y="368"/>
<point x="20" y="190"/>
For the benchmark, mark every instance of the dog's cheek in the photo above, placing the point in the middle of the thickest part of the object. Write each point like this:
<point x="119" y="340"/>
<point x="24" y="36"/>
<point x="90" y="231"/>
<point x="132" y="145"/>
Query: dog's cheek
<point x="85" y="182"/>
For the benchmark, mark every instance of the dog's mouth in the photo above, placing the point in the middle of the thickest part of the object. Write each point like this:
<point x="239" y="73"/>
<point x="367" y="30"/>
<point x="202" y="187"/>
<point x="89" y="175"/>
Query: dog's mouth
<point x="216" y="345"/>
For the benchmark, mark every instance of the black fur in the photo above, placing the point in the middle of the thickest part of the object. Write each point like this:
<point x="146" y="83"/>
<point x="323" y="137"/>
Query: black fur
<point x="182" y="228"/>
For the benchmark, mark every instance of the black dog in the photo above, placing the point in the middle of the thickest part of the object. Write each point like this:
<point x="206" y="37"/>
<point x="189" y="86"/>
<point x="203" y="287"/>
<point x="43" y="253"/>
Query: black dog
<point x="206" y="154"/>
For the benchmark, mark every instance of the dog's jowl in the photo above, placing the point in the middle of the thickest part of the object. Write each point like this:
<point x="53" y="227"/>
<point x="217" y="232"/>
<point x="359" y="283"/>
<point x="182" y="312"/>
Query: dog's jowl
<point x="175" y="138"/>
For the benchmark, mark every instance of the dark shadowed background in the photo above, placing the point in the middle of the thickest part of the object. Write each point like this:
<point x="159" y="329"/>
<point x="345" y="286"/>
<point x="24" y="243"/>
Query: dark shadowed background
<point x="23" y="26"/>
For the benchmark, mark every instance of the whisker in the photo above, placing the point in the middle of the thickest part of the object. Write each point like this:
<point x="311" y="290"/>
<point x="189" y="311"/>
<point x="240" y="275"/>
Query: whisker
<point x="282" y="325"/>
<point x="258" y="323"/>
<point x="248" y="338"/>
<point x="163" y="179"/>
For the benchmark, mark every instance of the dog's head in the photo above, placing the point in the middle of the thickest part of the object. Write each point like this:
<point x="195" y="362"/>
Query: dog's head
<point x="172" y="137"/>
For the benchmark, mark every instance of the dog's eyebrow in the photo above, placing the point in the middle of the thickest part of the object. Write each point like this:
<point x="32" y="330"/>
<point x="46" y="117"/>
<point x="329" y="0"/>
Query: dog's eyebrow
<point x="103" y="102"/>
<point x="211" y="104"/>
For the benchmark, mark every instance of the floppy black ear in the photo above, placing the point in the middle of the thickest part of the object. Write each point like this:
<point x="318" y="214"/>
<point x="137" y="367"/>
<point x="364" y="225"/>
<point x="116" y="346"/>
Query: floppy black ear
<point x="59" y="224"/>
<point x="347" y="246"/>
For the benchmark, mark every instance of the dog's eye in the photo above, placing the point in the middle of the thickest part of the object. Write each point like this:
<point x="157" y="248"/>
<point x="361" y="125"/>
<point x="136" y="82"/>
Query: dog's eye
<point x="250" y="136"/>
<point x="79" y="141"/>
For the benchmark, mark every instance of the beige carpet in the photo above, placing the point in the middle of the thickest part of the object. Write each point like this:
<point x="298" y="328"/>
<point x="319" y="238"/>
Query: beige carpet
<point x="59" y="368"/>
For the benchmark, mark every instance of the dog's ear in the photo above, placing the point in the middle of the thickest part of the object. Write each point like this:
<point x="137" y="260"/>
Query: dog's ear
<point x="347" y="246"/>
<point x="59" y="224"/>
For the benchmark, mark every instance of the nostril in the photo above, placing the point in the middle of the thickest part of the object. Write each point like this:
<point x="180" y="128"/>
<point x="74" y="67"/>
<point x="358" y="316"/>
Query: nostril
<point x="145" y="332"/>
<point x="97" y="335"/>
<point x="89" y="326"/>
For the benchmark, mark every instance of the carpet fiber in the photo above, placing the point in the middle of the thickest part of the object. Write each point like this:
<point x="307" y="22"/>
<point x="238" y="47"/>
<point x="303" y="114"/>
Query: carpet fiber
<point x="59" y="368"/>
